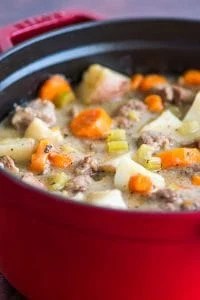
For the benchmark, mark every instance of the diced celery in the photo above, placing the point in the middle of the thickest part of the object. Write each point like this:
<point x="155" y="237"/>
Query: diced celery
<point x="117" y="135"/>
<point x="189" y="127"/>
<point x="64" y="98"/>
<point x="133" y="115"/>
<point x="144" y="153"/>
<point x="117" y="146"/>
<point x="153" y="164"/>
<point x="57" y="181"/>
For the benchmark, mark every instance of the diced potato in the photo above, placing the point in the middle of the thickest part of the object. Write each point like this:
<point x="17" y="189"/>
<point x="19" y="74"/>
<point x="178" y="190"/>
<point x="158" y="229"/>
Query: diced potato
<point x="194" y="112"/>
<point x="167" y="123"/>
<point x="100" y="84"/>
<point x="20" y="149"/>
<point x="39" y="130"/>
<point x="111" y="164"/>
<point x="110" y="198"/>
<point x="128" y="168"/>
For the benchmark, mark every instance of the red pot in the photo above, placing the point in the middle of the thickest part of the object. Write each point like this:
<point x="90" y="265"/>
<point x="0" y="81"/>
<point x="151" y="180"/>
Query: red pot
<point x="52" y="248"/>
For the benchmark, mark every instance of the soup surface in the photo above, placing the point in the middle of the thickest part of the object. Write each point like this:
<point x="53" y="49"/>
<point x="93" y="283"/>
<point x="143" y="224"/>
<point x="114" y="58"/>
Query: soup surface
<point x="115" y="141"/>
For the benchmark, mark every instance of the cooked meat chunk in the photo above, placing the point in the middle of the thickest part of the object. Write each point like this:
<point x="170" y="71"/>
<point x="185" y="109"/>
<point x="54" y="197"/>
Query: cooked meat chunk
<point x="174" y="93"/>
<point x="122" y="114"/>
<point x="165" y="195"/>
<point x="132" y="104"/>
<point x="156" y="139"/>
<point x="6" y="162"/>
<point x="80" y="183"/>
<point x="31" y="179"/>
<point x="86" y="166"/>
<point x="43" y="110"/>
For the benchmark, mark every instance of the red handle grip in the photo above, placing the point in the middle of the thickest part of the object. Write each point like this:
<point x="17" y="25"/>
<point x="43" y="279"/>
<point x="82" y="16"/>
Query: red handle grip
<point x="26" y="29"/>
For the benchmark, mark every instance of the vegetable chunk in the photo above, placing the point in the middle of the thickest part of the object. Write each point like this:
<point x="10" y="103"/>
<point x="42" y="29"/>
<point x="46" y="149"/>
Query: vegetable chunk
<point x="19" y="149"/>
<point x="92" y="123"/>
<point x="101" y="84"/>
<point x="179" y="157"/>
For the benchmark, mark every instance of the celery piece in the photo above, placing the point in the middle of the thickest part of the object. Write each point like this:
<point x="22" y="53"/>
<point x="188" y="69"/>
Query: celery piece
<point x="117" y="146"/>
<point x="133" y="115"/>
<point x="57" y="182"/>
<point x="189" y="127"/>
<point x="144" y="153"/>
<point x="116" y="135"/>
<point x="153" y="164"/>
<point x="64" y="99"/>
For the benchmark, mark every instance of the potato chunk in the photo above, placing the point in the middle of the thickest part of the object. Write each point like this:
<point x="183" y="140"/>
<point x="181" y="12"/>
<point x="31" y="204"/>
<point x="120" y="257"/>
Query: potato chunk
<point x="101" y="84"/>
<point x="20" y="149"/>
<point x="39" y="130"/>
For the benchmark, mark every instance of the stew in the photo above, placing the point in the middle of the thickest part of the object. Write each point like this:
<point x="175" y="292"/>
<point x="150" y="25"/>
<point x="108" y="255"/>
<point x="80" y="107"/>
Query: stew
<point x="113" y="140"/>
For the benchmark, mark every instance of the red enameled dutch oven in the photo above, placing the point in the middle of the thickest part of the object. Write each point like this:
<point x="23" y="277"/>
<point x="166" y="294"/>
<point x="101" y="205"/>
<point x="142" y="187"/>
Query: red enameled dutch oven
<point x="57" y="249"/>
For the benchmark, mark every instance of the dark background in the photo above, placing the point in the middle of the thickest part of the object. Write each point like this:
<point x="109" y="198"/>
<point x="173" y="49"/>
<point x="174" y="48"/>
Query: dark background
<point x="13" y="10"/>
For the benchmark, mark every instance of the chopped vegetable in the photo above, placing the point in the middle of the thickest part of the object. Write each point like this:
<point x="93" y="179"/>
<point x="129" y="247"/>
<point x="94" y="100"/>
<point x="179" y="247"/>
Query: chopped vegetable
<point x="136" y="80"/>
<point x="117" y="146"/>
<point x="93" y="123"/>
<point x="127" y="168"/>
<point x="151" y="81"/>
<point x="53" y="87"/>
<point x="189" y="128"/>
<point x="116" y="135"/>
<point x="196" y="179"/>
<point x="191" y="77"/>
<point x="101" y="84"/>
<point x="40" y="157"/>
<point x="140" y="184"/>
<point x="60" y="160"/>
<point x="153" y="164"/>
<point x="57" y="182"/>
<point x="154" y="103"/>
<point x="110" y="198"/>
<point x="39" y="130"/>
<point x="144" y="153"/>
<point x="193" y="113"/>
<point x="179" y="157"/>
<point x="133" y="115"/>
<point x="175" y="110"/>
<point x="144" y="156"/>
<point x="64" y="98"/>
<point x="20" y="149"/>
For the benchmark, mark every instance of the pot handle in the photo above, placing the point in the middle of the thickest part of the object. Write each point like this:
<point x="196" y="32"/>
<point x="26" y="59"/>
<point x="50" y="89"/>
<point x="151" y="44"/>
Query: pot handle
<point x="16" y="33"/>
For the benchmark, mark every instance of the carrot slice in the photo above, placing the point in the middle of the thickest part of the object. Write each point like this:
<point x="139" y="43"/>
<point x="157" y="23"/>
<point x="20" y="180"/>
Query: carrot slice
<point x="191" y="77"/>
<point x="53" y="87"/>
<point x="91" y="123"/>
<point x="136" y="81"/>
<point x="60" y="160"/>
<point x="140" y="184"/>
<point x="179" y="157"/>
<point x="151" y="81"/>
<point x="40" y="157"/>
<point x="154" y="103"/>
<point x="195" y="179"/>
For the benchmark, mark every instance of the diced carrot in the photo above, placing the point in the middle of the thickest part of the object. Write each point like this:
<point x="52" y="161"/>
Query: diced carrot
<point x="53" y="87"/>
<point x="195" y="179"/>
<point x="191" y="77"/>
<point x="93" y="123"/>
<point x="60" y="160"/>
<point x="136" y="81"/>
<point x="140" y="184"/>
<point x="154" y="103"/>
<point x="179" y="157"/>
<point x="151" y="81"/>
<point x="40" y="157"/>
